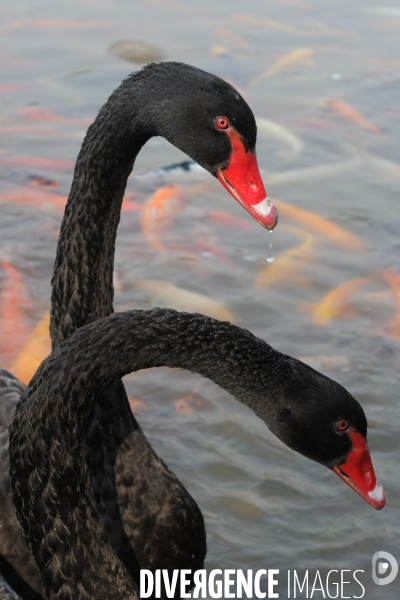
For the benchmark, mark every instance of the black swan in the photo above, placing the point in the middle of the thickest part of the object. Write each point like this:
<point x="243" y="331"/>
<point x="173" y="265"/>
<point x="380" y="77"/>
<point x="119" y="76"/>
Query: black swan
<point x="51" y="484"/>
<point x="206" y="118"/>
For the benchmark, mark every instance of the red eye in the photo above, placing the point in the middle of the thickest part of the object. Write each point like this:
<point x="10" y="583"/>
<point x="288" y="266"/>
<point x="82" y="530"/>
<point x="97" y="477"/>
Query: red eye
<point x="342" y="425"/>
<point x="222" y="122"/>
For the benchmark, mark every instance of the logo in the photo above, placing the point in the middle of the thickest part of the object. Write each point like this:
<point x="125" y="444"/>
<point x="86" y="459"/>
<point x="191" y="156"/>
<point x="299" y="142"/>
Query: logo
<point x="381" y="561"/>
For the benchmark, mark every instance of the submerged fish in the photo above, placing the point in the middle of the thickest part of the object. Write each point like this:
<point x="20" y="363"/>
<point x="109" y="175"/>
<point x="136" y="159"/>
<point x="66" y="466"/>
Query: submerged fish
<point x="165" y="294"/>
<point x="347" y="112"/>
<point x="383" y="165"/>
<point x="34" y="197"/>
<point x="251" y="20"/>
<point x="320" y="226"/>
<point x="136" y="51"/>
<point x="267" y="130"/>
<point x="34" y="352"/>
<point x="392" y="278"/>
<point x="301" y="55"/>
<point x="224" y="218"/>
<point x="43" y="115"/>
<point x="14" y="303"/>
<point x="159" y="212"/>
<point x="288" y="267"/>
<point x="186" y="167"/>
<point x="311" y="173"/>
<point x="37" y="163"/>
<point x="337" y="302"/>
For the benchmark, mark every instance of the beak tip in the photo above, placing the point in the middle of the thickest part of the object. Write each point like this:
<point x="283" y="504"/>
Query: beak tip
<point x="377" y="497"/>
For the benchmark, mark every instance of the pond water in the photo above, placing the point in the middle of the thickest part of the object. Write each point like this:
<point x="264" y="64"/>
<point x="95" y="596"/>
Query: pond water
<point x="323" y="79"/>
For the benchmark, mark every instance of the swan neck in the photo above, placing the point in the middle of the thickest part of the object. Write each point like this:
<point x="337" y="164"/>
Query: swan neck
<point x="47" y="454"/>
<point x="82" y="283"/>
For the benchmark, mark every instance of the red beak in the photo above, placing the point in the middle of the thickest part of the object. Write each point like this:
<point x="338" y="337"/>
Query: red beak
<point x="359" y="474"/>
<point x="243" y="181"/>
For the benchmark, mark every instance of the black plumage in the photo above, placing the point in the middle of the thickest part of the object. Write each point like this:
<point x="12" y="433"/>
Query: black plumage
<point x="180" y="103"/>
<point x="50" y="477"/>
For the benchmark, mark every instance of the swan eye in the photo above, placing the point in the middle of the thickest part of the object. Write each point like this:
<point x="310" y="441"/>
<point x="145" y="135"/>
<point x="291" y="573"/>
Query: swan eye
<point x="222" y="122"/>
<point x="342" y="425"/>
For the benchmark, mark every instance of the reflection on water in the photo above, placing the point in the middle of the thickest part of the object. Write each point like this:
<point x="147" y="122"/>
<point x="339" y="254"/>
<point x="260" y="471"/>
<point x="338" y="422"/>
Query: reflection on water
<point x="326" y="100"/>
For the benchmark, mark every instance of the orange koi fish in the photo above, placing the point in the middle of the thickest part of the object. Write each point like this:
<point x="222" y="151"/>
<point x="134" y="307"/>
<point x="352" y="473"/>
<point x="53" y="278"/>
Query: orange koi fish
<point x="11" y="87"/>
<point x="129" y="204"/>
<point x="224" y="218"/>
<point x="337" y="302"/>
<point x="344" y="111"/>
<point x="301" y="55"/>
<point x="336" y="235"/>
<point x="159" y="212"/>
<point x="392" y="278"/>
<point x="43" y="115"/>
<point x="37" y="163"/>
<point x="289" y="265"/>
<point x="34" y="352"/>
<point x="35" y="196"/>
<point x="14" y="302"/>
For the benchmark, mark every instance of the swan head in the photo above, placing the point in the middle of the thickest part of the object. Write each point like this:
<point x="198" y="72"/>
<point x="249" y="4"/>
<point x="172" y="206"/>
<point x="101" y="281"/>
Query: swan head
<point x="205" y="117"/>
<point x="317" y="417"/>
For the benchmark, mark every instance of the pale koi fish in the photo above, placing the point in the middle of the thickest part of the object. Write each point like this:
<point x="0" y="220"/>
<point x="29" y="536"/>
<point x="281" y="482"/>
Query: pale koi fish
<point x="159" y="211"/>
<point x="301" y="55"/>
<point x="289" y="266"/>
<point x="34" y="352"/>
<point x="338" y="236"/>
<point x="347" y="112"/>
<point x="262" y="21"/>
<point x="165" y="294"/>
<point x="267" y="130"/>
<point x="311" y="173"/>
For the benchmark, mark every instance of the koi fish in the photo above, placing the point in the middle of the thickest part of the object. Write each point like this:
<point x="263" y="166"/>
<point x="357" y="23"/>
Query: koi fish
<point x="267" y="130"/>
<point x="288" y="265"/>
<point x="311" y="173"/>
<point x="325" y="362"/>
<point x="301" y="55"/>
<point x="43" y="115"/>
<point x="165" y="294"/>
<point x="34" y="351"/>
<point x="14" y="302"/>
<point x="385" y="166"/>
<point x="67" y="23"/>
<point x="159" y="212"/>
<point x="37" y="163"/>
<point x="250" y="20"/>
<point x="392" y="278"/>
<point x="344" y="111"/>
<point x="11" y="87"/>
<point x="35" y="196"/>
<point x="224" y="218"/>
<point x="337" y="302"/>
<point x="320" y="226"/>
<point x="129" y="204"/>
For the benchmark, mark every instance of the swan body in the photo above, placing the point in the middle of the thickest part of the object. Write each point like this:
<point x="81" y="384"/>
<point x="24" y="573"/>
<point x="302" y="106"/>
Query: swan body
<point x="163" y="530"/>
<point x="50" y="477"/>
